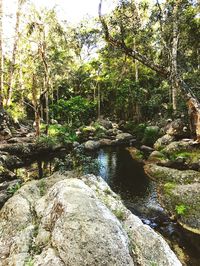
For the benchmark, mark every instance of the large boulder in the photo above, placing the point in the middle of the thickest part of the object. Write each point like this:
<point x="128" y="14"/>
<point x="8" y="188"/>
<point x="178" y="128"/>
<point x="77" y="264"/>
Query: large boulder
<point x="63" y="220"/>
<point x="158" y="157"/>
<point x="91" y="145"/>
<point x="124" y="137"/>
<point x="178" y="146"/>
<point x="106" y="123"/>
<point x="179" y="194"/>
<point x="163" y="142"/>
<point x="176" y="128"/>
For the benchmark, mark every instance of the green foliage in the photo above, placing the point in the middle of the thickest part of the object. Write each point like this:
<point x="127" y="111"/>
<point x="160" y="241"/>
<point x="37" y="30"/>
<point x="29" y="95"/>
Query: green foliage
<point x="76" y="110"/>
<point x="12" y="189"/>
<point x="29" y="262"/>
<point x="17" y="112"/>
<point x="42" y="187"/>
<point x="168" y="187"/>
<point x="130" y="127"/>
<point x="181" y="209"/>
<point x="57" y="134"/>
<point x="151" y="134"/>
<point x="119" y="214"/>
<point x="108" y="191"/>
<point x="48" y="141"/>
<point x="127" y="89"/>
<point x="188" y="156"/>
<point x="139" y="131"/>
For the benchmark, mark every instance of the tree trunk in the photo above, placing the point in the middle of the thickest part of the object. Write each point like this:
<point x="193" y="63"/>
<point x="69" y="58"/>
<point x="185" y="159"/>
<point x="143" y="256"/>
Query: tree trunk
<point x="99" y="100"/>
<point x="47" y="111"/>
<point x="1" y="54"/>
<point x="42" y="52"/>
<point x="12" y="67"/>
<point x="194" y="117"/>
<point x="36" y="107"/>
<point x="174" y="72"/>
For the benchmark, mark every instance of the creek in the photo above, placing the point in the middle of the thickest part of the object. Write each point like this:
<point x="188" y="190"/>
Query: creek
<point x="126" y="177"/>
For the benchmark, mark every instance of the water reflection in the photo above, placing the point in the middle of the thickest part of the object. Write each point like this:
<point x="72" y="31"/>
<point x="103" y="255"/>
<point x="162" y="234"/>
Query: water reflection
<point x="125" y="176"/>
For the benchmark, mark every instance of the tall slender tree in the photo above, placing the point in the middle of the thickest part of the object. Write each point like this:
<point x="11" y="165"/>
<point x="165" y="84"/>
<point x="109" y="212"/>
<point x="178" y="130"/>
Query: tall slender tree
<point x="14" y="53"/>
<point x="1" y="54"/>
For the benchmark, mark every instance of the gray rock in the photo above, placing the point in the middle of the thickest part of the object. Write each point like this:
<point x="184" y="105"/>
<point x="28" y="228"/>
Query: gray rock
<point x="180" y="194"/>
<point x="146" y="148"/>
<point x="105" y="123"/>
<point x="176" y="128"/>
<point x="91" y="145"/>
<point x="124" y="137"/>
<point x="158" y="157"/>
<point x="76" y="222"/>
<point x="163" y="142"/>
<point x="105" y="142"/>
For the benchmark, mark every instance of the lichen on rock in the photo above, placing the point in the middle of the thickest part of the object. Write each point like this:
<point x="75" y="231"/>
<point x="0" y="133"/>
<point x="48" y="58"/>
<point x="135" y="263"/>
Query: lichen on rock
<point x="74" y="222"/>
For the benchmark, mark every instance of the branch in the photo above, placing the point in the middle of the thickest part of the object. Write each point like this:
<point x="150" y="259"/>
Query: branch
<point x="129" y="51"/>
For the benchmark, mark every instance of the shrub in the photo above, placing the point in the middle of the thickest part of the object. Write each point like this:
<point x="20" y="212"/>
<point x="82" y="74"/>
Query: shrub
<point x="181" y="209"/>
<point x="75" y="111"/>
<point x="151" y="134"/>
<point x="139" y="131"/>
<point x="12" y="189"/>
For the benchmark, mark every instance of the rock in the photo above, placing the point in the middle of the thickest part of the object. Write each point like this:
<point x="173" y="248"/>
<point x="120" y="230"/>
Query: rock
<point x="184" y="203"/>
<point x="177" y="146"/>
<point x="76" y="144"/>
<point x="113" y="132"/>
<point x="176" y="128"/>
<point x="170" y="175"/>
<point x="76" y="222"/>
<point x="105" y="142"/>
<point x="136" y="154"/>
<point x="163" y="142"/>
<point x="179" y="194"/>
<point x="89" y="129"/>
<point x="124" y="137"/>
<point x="91" y="145"/>
<point x="5" y="125"/>
<point x="17" y="148"/>
<point x="21" y="140"/>
<point x="146" y="148"/>
<point x="7" y="188"/>
<point x="182" y="154"/>
<point x="53" y="121"/>
<point x="12" y="161"/>
<point x="158" y="157"/>
<point x="105" y="123"/>
<point x="6" y="174"/>
<point x="5" y="134"/>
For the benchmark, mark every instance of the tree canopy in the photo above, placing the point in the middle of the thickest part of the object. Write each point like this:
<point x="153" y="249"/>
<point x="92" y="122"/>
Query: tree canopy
<point x="129" y="64"/>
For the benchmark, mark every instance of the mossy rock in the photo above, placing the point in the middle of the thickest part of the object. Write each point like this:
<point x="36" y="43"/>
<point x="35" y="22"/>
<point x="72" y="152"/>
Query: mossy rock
<point x="162" y="142"/>
<point x="158" y="157"/>
<point x="179" y="193"/>
<point x="165" y="174"/>
<point x="178" y="146"/>
<point x="183" y="201"/>
<point x="136" y="154"/>
<point x="189" y="159"/>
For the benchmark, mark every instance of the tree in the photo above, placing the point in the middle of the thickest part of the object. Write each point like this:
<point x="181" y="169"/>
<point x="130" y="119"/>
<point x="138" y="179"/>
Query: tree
<point x="118" y="31"/>
<point x="14" y="53"/>
<point x="1" y="54"/>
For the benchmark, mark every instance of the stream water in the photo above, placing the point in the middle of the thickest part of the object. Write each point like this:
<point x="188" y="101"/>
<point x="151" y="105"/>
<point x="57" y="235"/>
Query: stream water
<point x="127" y="178"/>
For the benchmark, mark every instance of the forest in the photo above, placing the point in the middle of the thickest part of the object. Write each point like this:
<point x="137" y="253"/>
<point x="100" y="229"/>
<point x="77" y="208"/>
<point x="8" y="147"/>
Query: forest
<point x="55" y="71"/>
<point x="116" y="96"/>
